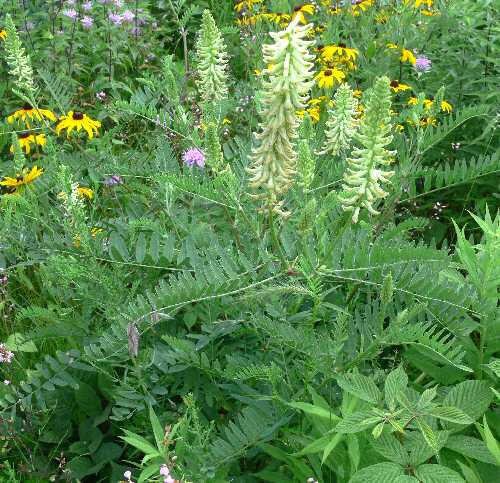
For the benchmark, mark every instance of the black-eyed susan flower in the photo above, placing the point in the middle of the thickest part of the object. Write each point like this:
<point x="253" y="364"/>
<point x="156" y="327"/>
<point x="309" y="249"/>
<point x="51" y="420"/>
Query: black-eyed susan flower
<point x="28" y="112"/>
<point x="78" y="120"/>
<point x="327" y="77"/>
<point x="359" y="6"/>
<point x="446" y="106"/>
<point x="407" y="56"/>
<point x="329" y="53"/>
<point x="301" y="11"/>
<point x="3" y="34"/>
<point x="13" y="185"/>
<point x="428" y="121"/>
<point x="84" y="192"/>
<point x="397" y="86"/>
<point x="26" y="139"/>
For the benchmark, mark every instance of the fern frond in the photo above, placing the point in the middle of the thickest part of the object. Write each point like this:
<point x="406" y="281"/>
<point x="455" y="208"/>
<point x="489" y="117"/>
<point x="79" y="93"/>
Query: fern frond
<point x="59" y="89"/>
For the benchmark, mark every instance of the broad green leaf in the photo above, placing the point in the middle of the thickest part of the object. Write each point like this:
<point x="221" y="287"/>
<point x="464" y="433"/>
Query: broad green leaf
<point x="357" y="422"/>
<point x="437" y="474"/>
<point x="470" y="447"/>
<point x="317" y="445"/>
<point x="360" y="386"/>
<point x="88" y="401"/>
<point x="429" y="434"/>
<point x="470" y="476"/>
<point x="418" y="448"/>
<point x="379" y="473"/>
<point x="396" y="381"/>
<point x="389" y="447"/>
<point x="472" y="397"/>
<point x="452" y="414"/>
<point x="334" y="441"/>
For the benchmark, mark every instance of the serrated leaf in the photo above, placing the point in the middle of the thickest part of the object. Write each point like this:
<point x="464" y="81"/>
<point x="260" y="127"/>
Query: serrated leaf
<point x="470" y="447"/>
<point x="491" y="442"/>
<point x="315" y="411"/>
<point x="379" y="473"/>
<point x="452" y="414"/>
<point x="437" y="474"/>
<point x="358" y="421"/>
<point x="472" y="397"/>
<point x="360" y="386"/>
<point x="396" y="381"/>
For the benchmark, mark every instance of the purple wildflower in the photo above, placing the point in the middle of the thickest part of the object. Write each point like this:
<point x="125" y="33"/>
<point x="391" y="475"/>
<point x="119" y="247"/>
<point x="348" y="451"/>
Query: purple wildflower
<point x="194" y="156"/>
<point x="118" y="3"/>
<point x="87" y="22"/>
<point x="4" y="279"/>
<point x="87" y="6"/>
<point x="113" y="180"/>
<point x="71" y="2"/>
<point x="116" y="18"/>
<point x="71" y="13"/>
<point x="101" y="96"/>
<point x="423" y="64"/>
<point x="128" y="16"/>
<point x="5" y="354"/>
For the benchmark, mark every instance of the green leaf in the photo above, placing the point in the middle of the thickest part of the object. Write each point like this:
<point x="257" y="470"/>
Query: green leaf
<point x="428" y="434"/>
<point x="140" y="248"/>
<point x="17" y="343"/>
<point x="469" y="474"/>
<point x="106" y="453"/>
<point x="357" y="422"/>
<point x="491" y="442"/>
<point x="157" y="429"/>
<point x="472" y="397"/>
<point x="360" y="386"/>
<point x="379" y="473"/>
<point x="87" y="399"/>
<point x="452" y="414"/>
<point x="396" y="381"/>
<point x="470" y="447"/>
<point x="315" y="411"/>
<point x="389" y="447"/>
<point x="140" y="443"/>
<point x="437" y="474"/>
<point x="317" y="445"/>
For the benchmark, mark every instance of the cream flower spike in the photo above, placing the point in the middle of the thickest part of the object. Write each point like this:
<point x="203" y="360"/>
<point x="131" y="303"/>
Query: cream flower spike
<point x="285" y="91"/>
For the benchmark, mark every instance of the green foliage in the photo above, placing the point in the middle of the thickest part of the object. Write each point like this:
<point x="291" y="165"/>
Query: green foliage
<point x="156" y="321"/>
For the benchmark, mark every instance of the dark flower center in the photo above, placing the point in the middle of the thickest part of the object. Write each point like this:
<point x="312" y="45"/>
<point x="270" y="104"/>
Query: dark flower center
<point x="394" y="83"/>
<point x="78" y="116"/>
<point x="19" y="178"/>
<point x="24" y="135"/>
<point x="320" y="47"/>
<point x="342" y="45"/>
<point x="328" y="72"/>
<point x="27" y="107"/>
<point x="297" y="8"/>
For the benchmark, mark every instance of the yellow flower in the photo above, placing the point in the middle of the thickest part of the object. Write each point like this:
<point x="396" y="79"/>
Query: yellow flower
<point x="329" y="52"/>
<point x="78" y="120"/>
<point x="446" y="107"/>
<point x="412" y="101"/>
<point x="427" y="3"/>
<point x="360" y="6"/>
<point x="3" y="34"/>
<point x="84" y="192"/>
<point x="327" y="77"/>
<point x="23" y="179"/>
<point x="428" y="121"/>
<point x="399" y="127"/>
<point x="357" y="93"/>
<point x="28" y="112"/>
<point x="428" y="103"/>
<point x="226" y="121"/>
<point x="246" y="4"/>
<point x="301" y="11"/>
<point x="314" y="113"/>
<point x="390" y="45"/>
<point x="396" y="86"/>
<point x="26" y="139"/>
<point x="407" y="56"/>
<point x="429" y="13"/>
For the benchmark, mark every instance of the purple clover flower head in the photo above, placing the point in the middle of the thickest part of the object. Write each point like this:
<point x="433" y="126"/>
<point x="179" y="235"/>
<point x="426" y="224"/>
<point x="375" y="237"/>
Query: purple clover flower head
<point x="116" y="18"/>
<point x="423" y="64"/>
<point x="87" y="22"/>
<point x="113" y="180"/>
<point x="164" y="471"/>
<point x="128" y="16"/>
<point x="5" y="354"/>
<point x="71" y="13"/>
<point x="87" y="6"/>
<point x="194" y="156"/>
<point x="101" y="96"/>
